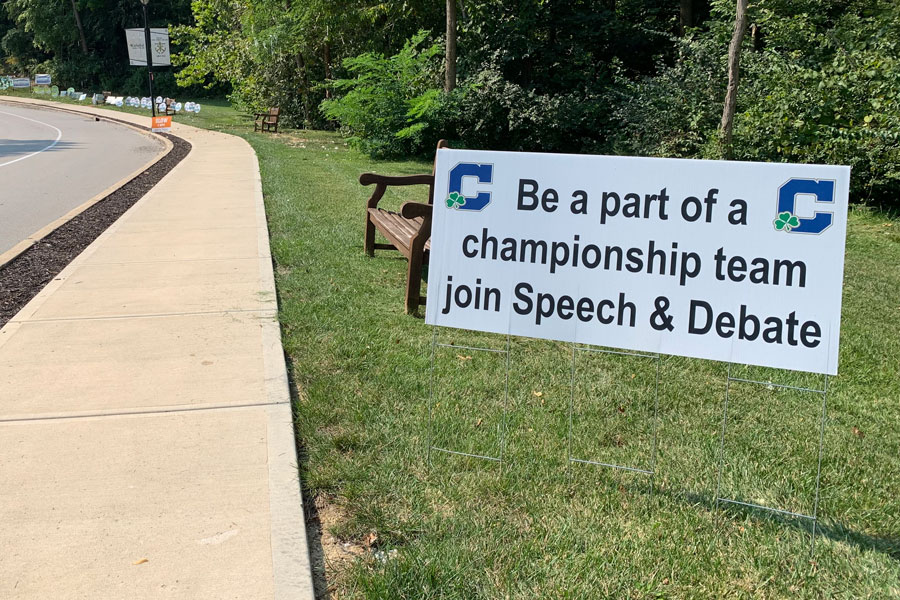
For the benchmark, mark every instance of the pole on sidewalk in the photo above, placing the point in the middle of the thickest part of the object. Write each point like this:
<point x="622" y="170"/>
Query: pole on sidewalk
<point x="149" y="57"/>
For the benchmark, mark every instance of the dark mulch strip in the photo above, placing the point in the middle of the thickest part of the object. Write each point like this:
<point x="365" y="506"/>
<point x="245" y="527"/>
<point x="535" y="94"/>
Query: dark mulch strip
<point x="27" y="274"/>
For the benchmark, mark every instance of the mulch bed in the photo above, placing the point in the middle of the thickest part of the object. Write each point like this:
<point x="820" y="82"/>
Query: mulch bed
<point x="27" y="274"/>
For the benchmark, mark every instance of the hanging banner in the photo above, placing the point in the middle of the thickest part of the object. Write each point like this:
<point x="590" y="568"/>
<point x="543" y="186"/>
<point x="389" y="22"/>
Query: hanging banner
<point x="42" y="79"/>
<point x="731" y="261"/>
<point x="159" y="46"/>
<point x="21" y="82"/>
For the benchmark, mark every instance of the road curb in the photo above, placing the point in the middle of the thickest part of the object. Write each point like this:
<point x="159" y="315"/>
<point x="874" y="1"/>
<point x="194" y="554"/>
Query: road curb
<point x="291" y="564"/>
<point x="14" y="252"/>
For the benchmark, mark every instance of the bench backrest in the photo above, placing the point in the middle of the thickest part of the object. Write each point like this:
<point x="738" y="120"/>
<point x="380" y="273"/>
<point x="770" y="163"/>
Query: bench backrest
<point x="440" y="144"/>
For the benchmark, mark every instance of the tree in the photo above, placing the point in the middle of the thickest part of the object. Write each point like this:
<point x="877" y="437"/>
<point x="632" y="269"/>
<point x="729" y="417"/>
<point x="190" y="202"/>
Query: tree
<point x="289" y="52"/>
<point x="18" y="54"/>
<point x="84" y="46"/>
<point x="686" y="15"/>
<point x="91" y="52"/>
<point x="734" y="64"/>
<point x="450" y="59"/>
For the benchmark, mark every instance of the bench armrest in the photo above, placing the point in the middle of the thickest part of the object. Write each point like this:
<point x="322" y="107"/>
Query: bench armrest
<point x="383" y="181"/>
<point x="411" y="210"/>
<point x="370" y="178"/>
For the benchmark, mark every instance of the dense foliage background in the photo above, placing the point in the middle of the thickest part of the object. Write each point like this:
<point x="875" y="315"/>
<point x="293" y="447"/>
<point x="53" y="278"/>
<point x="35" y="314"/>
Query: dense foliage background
<point x="819" y="77"/>
<point x="82" y="42"/>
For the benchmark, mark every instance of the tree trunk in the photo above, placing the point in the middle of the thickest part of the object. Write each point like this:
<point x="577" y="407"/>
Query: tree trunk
<point x="301" y="67"/>
<point x="327" y="68"/>
<point x="734" y="63"/>
<point x="686" y="15"/>
<point x="756" y="38"/>
<point x="450" y="58"/>
<point x="84" y="47"/>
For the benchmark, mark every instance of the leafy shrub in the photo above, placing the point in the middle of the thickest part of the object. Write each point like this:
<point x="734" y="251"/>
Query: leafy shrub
<point x="498" y="114"/>
<point x="821" y="86"/>
<point x="394" y="107"/>
<point x="675" y="113"/>
<point x="843" y="107"/>
<point x="390" y="105"/>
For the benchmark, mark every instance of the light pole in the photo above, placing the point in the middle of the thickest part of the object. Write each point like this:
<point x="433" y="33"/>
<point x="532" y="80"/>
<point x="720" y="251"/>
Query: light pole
<point x="149" y="57"/>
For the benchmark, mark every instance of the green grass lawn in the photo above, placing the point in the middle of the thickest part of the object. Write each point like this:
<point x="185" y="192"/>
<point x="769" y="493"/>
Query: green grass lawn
<point x="539" y="527"/>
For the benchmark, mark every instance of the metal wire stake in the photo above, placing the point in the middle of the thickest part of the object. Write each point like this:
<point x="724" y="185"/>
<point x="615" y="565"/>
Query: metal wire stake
<point x="815" y="514"/>
<point x="431" y="391"/>
<point x="505" y="402"/>
<point x="571" y="408"/>
<point x="431" y="405"/>
<point x="722" y="440"/>
<point x="822" y="420"/>
<point x="655" y="428"/>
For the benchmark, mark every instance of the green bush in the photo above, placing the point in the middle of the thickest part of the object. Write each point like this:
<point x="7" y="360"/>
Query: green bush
<point x="498" y="114"/>
<point x="391" y="109"/>
<point x="842" y="108"/>
<point x="821" y="86"/>
<point x="391" y="105"/>
<point x="675" y="113"/>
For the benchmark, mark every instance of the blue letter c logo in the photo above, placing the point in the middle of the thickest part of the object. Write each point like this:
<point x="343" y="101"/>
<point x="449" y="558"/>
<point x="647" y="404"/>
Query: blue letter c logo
<point x="484" y="173"/>
<point x="823" y="190"/>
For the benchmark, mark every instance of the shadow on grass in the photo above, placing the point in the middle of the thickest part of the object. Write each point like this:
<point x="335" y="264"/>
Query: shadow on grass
<point x="835" y="532"/>
<point x="310" y="510"/>
<point x="888" y="545"/>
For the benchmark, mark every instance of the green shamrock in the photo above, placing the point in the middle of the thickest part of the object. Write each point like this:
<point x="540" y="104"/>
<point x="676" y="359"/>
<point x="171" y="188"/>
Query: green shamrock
<point x="786" y="221"/>
<point x="456" y="200"/>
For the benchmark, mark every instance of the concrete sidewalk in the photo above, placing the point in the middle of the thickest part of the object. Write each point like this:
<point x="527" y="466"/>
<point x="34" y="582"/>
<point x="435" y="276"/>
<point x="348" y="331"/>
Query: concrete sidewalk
<point x="146" y="443"/>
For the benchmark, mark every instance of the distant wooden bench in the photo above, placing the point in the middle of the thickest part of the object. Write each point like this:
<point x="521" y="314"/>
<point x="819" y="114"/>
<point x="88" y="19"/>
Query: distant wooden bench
<point x="170" y="106"/>
<point x="408" y="231"/>
<point x="267" y="121"/>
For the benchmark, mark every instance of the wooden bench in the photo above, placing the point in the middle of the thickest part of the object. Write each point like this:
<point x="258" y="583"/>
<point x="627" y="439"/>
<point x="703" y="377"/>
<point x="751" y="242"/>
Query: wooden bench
<point x="408" y="231"/>
<point x="170" y="106"/>
<point x="267" y="121"/>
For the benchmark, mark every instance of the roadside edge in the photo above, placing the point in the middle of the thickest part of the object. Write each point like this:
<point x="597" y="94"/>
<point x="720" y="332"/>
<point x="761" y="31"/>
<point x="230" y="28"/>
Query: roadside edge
<point x="14" y="252"/>
<point x="291" y="564"/>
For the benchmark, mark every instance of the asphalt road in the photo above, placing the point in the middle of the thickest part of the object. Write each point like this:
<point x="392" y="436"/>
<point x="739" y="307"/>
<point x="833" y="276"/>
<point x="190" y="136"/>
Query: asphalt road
<point x="52" y="162"/>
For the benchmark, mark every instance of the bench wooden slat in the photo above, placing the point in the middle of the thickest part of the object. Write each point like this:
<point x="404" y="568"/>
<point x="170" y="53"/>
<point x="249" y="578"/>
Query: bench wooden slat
<point x="398" y="230"/>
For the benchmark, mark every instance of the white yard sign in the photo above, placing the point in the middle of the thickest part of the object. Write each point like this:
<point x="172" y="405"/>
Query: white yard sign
<point x="159" y="46"/>
<point x="731" y="261"/>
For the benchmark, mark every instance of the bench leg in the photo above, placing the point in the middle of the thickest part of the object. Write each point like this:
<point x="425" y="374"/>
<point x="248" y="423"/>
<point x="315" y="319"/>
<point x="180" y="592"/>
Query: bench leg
<point x="370" y="236"/>
<point x="414" y="283"/>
